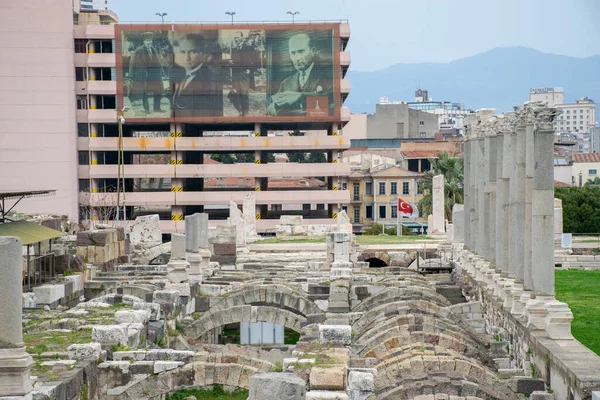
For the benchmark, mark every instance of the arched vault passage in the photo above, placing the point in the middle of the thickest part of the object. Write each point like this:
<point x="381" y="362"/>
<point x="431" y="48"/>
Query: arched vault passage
<point x="375" y="262"/>
<point x="216" y="318"/>
<point x="275" y="296"/>
<point x="401" y="293"/>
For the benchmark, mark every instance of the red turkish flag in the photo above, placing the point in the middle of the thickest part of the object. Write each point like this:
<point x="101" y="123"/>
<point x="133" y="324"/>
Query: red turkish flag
<point x="405" y="209"/>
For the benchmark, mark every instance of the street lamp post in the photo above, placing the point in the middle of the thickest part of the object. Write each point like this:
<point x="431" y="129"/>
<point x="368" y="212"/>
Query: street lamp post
<point x="162" y="16"/>
<point x="293" y="14"/>
<point x="230" y="13"/>
<point x="121" y="167"/>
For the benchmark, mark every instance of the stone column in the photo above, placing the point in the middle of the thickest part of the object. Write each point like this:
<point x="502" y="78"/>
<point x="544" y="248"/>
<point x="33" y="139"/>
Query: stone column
<point x="467" y="191"/>
<point x="542" y="228"/>
<point x="438" y="204"/>
<point x="473" y="201"/>
<point x="249" y="210"/>
<point x="458" y="223"/>
<point x="529" y="166"/>
<point x="491" y="167"/>
<point x="202" y="221"/>
<point x="237" y="219"/>
<point x="191" y="233"/>
<point x="558" y="221"/>
<point x="507" y="165"/>
<point x="518" y="200"/>
<point x="499" y="206"/>
<point x="177" y="246"/>
<point x="15" y="363"/>
<point x="481" y="189"/>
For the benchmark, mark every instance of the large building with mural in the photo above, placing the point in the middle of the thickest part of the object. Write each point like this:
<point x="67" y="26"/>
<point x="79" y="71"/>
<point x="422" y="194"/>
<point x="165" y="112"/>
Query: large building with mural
<point x="128" y="114"/>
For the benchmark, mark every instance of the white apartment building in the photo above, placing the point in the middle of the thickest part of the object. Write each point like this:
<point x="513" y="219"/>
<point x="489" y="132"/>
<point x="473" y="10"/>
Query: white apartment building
<point x="579" y="117"/>
<point x="552" y="96"/>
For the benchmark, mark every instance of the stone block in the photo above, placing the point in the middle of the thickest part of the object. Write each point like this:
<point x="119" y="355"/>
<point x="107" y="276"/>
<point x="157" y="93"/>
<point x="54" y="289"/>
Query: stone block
<point x="335" y="334"/>
<point x="152" y="308"/>
<point x="81" y="352"/>
<point x="293" y="220"/>
<point x="541" y="395"/>
<point x="224" y="249"/>
<point x="101" y="237"/>
<point x="596" y="395"/>
<point x="177" y="246"/>
<point x="328" y="378"/>
<point x="280" y="386"/>
<point x="29" y="300"/>
<point x="132" y="316"/>
<point x="325" y="395"/>
<point x="109" y="334"/>
<point x="362" y="381"/>
<point x="135" y="334"/>
<point x="146" y="230"/>
<point x="162" y="366"/>
<point x="299" y="230"/>
<point x="283" y="230"/>
<point x="49" y="293"/>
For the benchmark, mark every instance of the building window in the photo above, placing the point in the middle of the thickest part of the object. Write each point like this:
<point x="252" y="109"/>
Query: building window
<point x="593" y="172"/>
<point x="345" y="208"/>
<point x="369" y="212"/>
<point x="276" y="207"/>
<point x="422" y="134"/>
<point x="405" y="188"/>
<point x="344" y="185"/>
<point x="80" y="74"/>
<point x="84" y="185"/>
<point x="83" y="130"/>
<point x="368" y="188"/>
<point x="321" y="207"/>
<point x="82" y="103"/>
<point x="568" y="117"/>
<point x="382" y="212"/>
<point x="306" y="207"/>
<point x="394" y="212"/>
<point x="419" y="187"/>
<point x="421" y="123"/>
<point x="84" y="158"/>
<point x="80" y="45"/>
<point x="356" y="215"/>
<point x="356" y="191"/>
<point x="568" y="112"/>
<point x="381" y="188"/>
<point x="394" y="188"/>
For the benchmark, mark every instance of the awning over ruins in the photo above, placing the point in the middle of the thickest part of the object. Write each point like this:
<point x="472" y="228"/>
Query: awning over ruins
<point x="28" y="232"/>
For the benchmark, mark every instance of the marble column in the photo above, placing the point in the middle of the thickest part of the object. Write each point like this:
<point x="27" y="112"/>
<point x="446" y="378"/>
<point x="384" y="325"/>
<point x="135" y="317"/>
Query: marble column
<point x="529" y="166"/>
<point x="507" y="165"/>
<point x="467" y="191"/>
<point x="191" y="233"/>
<point x="481" y="188"/>
<point x="518" y="207"/>
<point x="491" y="166"/>
<point x="237" y="219"/>
<point x="473" y="202"/>
<point x="177" y="246"/>
<point x="542" y="228"/>
<point x="249" y="210"/>
<point x="15" y="363"/>
<point x="458" y="223"/>
<point x="499" y="206"/>
<point x="558" y="221"/>
<point x="202" y="221"/>
<point x="438" y="206"/>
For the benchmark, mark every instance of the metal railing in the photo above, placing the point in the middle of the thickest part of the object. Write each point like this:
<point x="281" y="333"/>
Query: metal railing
<point x="195" y="22"/>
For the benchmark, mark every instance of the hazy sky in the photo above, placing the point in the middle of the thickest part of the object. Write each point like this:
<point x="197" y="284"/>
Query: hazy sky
<point x="386" y="32"/>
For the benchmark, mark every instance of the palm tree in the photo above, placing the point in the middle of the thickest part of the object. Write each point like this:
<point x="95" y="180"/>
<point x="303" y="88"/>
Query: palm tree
<point x="593" y="182"/>
<point x="452" y="168"/>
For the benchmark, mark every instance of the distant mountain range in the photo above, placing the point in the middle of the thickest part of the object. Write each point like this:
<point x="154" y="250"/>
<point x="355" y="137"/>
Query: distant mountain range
<point x="499" y="78"/>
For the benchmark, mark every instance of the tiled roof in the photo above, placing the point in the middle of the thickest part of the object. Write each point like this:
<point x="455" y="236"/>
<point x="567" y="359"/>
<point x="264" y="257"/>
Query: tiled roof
<point x="561" y="184"/>
<point x="586" y="157"/>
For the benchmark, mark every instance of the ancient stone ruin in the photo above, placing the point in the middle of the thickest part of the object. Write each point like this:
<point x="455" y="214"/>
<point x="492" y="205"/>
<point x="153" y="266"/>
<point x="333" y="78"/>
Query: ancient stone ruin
<point x="317" y="320"/>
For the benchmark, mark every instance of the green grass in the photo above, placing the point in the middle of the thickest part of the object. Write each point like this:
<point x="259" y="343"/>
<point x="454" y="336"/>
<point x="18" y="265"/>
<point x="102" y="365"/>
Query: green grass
<point x="56" y="341"/>
<point x="581" y="290"/>
<point x="217" y="393"/>
<point x="290" y="336"/>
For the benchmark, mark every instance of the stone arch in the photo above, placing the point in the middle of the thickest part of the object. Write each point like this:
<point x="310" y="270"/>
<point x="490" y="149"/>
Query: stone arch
<point x="375" y="254"/>
<point x="375" y="262"/>
<point x="139" y="291"/>
<point x="409" y="375"/>
<point x="401" y="293"/>
<point x="214" y="319"/>
<point x="193" y="375"/>
<point x="271" y="295"/>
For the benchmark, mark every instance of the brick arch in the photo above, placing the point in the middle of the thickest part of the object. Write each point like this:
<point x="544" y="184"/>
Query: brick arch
<point x="401" y="293"/>
<point x="272" y="295"/>
<point x="407" y="376"/>
<point x="214" y="319"/>
<point x="193" y="375"/>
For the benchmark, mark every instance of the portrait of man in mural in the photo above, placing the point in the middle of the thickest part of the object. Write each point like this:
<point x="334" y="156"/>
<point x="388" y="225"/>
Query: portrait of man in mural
<point x="146" y="75"/>
<point x="196" y="86"/>
<point x="312" y="79"/>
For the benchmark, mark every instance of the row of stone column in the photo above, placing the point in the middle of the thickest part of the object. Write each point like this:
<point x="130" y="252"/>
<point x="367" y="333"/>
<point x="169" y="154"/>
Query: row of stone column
<point x="509" y="194"/>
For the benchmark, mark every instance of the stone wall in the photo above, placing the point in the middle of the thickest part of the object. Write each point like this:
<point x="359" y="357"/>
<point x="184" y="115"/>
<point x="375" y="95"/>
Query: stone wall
<point x="103" y="248"/>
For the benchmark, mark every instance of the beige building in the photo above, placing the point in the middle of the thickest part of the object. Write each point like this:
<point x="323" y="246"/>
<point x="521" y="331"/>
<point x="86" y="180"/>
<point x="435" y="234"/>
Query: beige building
<point x="552" y="96"/>
<point x="59" y="129"/>
<point x="398" y="121"/>
<point x="579" y="117"/>
<point x="585" y="166"/>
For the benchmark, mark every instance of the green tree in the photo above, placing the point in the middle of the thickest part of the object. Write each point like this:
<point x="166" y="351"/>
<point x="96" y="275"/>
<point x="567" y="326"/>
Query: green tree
<point x="244" y="158"/>
<point x="593" y="182"/>
<point x="296" y="157"/>
<point x="296" y="132"/>
<point x="581" y="208"/>
<point x="316" y="158"/>
<point x="453" y="170"/>
<point x="224" y="158"/>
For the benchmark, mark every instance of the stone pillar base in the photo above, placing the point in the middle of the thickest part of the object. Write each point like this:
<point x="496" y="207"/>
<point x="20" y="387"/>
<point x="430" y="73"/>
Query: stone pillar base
<point x="204" y="258"/>
<point x="15" y="366"/>
<point x="535" y="311"/>
<point x="506" y="294"/>
<point x="558" y="321"/>
<point x="177" y="271"/>
<point x="517" y="306"/>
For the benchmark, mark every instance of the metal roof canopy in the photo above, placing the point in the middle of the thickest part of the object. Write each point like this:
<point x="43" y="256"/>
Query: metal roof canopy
<point x="20" y="196"/>
<point x="28" y="232"/>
